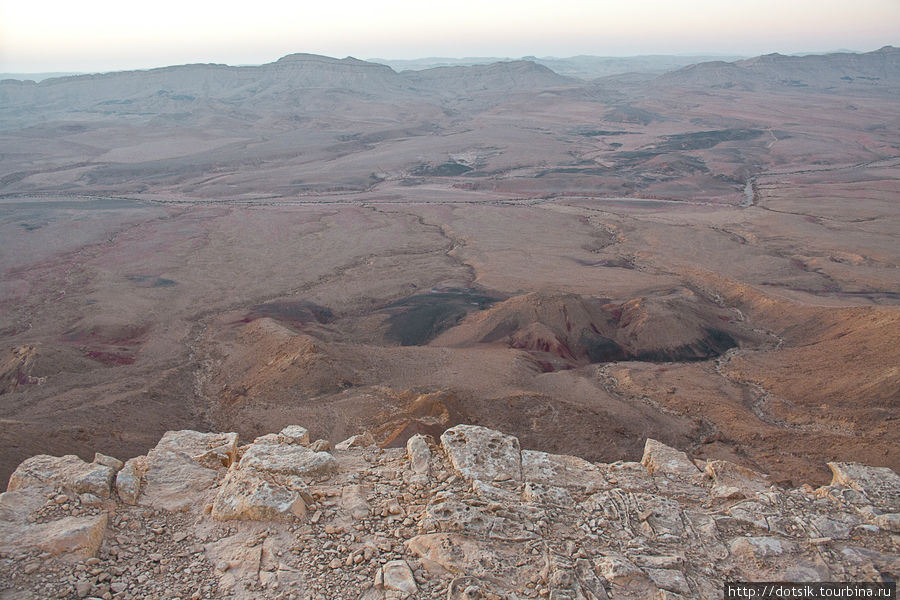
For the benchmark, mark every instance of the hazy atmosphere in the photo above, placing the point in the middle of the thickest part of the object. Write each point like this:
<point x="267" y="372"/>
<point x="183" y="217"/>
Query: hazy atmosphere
<point x="104" y="35"/>
<point x="488" y="301"/>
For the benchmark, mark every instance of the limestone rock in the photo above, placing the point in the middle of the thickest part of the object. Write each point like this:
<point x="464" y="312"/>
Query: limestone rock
<point x="17" y="505"/>
<point x="174" y="481"/>
<point x="570" y="580"/>
<point x="666" y="561"/>
<point x="670" y="579"/>
<point x="591" y="586"/>
<point x="469" y="588"/>
<point x="247" y="494"/>
<point x="353" y="501"/>
<point x="373" y="593"/>
<point x="466" y="555"/>
<point x="632" y="476"/>
<point x="269" y="482"/>
<point x="492" y="493"/>
<point x="79" y="536"/>
<point x="625" y="577"/>
<point x="362" y="440"/>
<point x="450" y="514"/>
<point x="248" y="561"/>
<point x="490" y="522"/>
<point x="181" y="469"/>
<point x="484" y="454"/>
<point x="128" y="479"/>
<point x="89" y="500"/>
<point x="320" y="446"/>
<point x="757" y="547"/>
<point x="562" y="471"/>
<point x="888" y="521"/>
<point x="294" y="434"/>
<point x="109" y="461"/>
<point x="538" y="493"/>
<point x="659" y="458"/>
<point x="67" y="537"/>
<point x="212" y="450"/>
<point x="287" y="459"/>
<point x="880" y="484"/>
<point x="57" y="535"/>
<point x="734" y="481"/>
<point x="67" y="471"/>
<point x="399" y="578"/>
<point x="750" y="513"/>
<point x="419" y="454"/>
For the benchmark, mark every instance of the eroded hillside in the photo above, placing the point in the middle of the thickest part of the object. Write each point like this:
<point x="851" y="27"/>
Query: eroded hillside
<point x="707" y="258"/>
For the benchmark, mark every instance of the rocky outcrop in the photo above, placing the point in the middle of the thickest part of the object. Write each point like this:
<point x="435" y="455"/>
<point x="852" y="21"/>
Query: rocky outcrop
<point x="15" y="368"/>
<point x="183" y="467"/>
<point x="68" y="471"/>
<point x="54" y="507"/>
<point x="473" y="516"/>
<point x="271" y="480"/>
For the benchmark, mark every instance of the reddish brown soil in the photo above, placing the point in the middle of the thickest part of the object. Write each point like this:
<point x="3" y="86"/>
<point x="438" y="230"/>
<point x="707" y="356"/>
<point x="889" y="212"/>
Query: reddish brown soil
<point x="569" y="264"/>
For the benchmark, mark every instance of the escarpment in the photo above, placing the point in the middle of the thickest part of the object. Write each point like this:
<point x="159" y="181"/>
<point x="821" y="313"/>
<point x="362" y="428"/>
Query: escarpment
<point x="469" y="515"/>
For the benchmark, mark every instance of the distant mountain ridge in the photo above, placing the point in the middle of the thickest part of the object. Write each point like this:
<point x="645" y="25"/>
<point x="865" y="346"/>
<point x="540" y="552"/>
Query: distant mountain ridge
<point x="582" y="66"/>
<point x="502" y="76"/>
<point x="279" y="81"/>
<point x="877" y="68"/>
<point x="310" y="71"/>
<point x="311" y="83"/>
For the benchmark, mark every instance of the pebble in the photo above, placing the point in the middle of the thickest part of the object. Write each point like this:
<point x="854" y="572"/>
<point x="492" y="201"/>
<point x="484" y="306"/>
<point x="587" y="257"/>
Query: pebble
<point x="332" y="553"/>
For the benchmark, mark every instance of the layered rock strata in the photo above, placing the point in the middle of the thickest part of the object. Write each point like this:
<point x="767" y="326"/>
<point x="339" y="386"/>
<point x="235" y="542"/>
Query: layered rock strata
<point x="469" y="516"/>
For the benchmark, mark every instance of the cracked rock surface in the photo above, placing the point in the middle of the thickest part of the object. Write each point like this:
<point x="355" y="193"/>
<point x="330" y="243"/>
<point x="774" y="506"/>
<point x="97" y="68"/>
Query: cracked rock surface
<point x="471" y="515"/>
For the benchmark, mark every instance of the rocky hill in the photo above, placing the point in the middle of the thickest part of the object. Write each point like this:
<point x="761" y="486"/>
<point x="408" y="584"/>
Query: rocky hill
<point x="496" y="77"/>
<point x="842" y="71"/>
<point x="468" y="516"/>
<point x="291" y="81"/>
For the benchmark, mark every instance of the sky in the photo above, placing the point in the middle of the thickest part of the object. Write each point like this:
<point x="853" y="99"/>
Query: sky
<point x="105" y="35"/>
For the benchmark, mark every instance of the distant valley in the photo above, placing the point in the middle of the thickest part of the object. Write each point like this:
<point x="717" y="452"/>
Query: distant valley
<point x="705" y="254"/>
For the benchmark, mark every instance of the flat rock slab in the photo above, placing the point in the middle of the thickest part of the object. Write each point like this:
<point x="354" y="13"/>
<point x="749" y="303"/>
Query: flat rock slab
<point x="67" y="471"/>
<point x="452" y="515"/>
<point x="18" y="504"/>
<point x="734" y="481"/>
<point x="479" y="558"/>
<point x="881" y="485"/>
<point x="287" y="459"/>
<point x="247" y="494"/>
<point x="353" y="500"/>
<point x="560" y="470"/>
<point x="68" y="537"/>
<point x="399" y="578"/>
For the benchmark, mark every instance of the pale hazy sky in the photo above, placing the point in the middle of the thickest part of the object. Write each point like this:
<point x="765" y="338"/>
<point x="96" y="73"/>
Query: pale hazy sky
<point x="103" y="35"/>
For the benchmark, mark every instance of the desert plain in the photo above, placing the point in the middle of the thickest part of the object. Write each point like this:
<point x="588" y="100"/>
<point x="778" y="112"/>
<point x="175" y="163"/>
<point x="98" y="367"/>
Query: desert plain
<point x="707" y="257"/>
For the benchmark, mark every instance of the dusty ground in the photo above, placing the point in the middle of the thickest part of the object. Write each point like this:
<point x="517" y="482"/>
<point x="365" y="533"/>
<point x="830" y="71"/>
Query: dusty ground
<point x="580" y="265"/>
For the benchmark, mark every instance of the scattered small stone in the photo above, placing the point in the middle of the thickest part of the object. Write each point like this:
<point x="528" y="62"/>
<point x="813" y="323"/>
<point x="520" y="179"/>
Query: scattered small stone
<point x="519" y="523"/>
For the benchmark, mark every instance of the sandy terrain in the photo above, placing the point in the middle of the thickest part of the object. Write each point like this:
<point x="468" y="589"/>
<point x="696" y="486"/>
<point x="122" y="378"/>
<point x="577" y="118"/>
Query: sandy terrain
<point x="576" y="263"/>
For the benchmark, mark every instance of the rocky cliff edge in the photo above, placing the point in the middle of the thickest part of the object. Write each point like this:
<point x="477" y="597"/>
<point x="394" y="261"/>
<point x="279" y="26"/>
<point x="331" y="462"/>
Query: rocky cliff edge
<point x="469" y="516"/>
